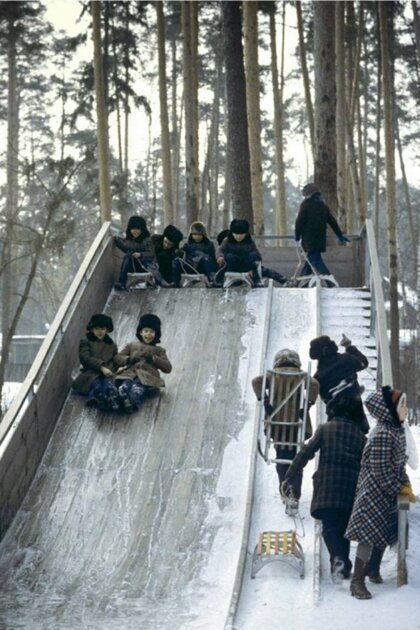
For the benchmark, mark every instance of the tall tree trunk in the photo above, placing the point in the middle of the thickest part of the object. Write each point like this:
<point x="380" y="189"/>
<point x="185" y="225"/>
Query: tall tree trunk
<point x="341" y="114"/>
<point x="194" y="5"/>
<point x="281" y="210"/>
<point x="388" y="92"/>
<point x="102" y="118"/>
<point x="175" y="132"/>
<point x="191" y="165"/>
<point x="164" y="119"/>
<point x="126" y="97"/>
<point x="214" y="147"/>
<point x="253" y="109"/>
<point x="410" y="214"/>
<point x="305" y="77"/>
<point x="416" y="18"/>
<point x="237" y="141"/>
<point x="378" y="129"/>
<point x="11" y="199"/>
<point x="325" y="103"/>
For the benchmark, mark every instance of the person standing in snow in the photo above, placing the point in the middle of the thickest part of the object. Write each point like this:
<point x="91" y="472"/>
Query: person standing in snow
<point x="311" y="226"/>
<point x="337" y="371"/>
<point x="340" y="443"/>
<point x="288" y="361"/>
<point x="374" y="519"/>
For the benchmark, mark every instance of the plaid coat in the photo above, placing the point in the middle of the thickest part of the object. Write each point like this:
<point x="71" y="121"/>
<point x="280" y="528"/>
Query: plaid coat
<point x="374" y="518"/>
<point x="341" y="444"/>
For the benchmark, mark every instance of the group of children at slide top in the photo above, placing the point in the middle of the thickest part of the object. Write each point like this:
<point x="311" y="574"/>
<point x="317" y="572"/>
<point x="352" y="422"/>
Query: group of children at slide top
<point x="357" y="481"/>
<point x="236" y="251"/>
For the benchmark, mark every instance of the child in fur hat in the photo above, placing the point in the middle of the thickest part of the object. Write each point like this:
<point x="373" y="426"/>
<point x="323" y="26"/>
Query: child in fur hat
<point x="238" y="252"/>
<point x="141" y="361"/>
<point x="139" y="253"/>
<point x="374" y="518"/>
<point x="167" y="251"/>
<point x="199" y="255"/>
<point x="97" y="353"/>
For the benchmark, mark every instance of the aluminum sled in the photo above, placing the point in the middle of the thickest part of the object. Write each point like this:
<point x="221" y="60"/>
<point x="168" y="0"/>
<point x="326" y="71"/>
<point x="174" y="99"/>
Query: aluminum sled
<point x="197" y="280"/>
<point x="140" y="280"/>
<point x="235" y="279"/>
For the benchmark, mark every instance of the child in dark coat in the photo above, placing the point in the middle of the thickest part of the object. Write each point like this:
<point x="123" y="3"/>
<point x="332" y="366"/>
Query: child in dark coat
<point x="238" y="252"/>
<point x="167" y="251"/>
<point x="199" y="255"/>
<point x="311" y="226"/>
<point x="139" y="253"/>
<point x="142" y="360"/>
<point x="97" y="353"/>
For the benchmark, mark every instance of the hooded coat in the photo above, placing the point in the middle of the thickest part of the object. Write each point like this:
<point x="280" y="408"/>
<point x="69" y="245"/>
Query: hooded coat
<point x="374" y="519"/>
<point x="144" y="361"/>
<point x="311" y="224"/>
<point x="94" y="353"/>
<point x="340" y="443"/>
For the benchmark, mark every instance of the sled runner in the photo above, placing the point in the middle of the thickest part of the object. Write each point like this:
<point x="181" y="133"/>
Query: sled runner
<point x="198" y="280"/>
<point x="310" y="280"/>
<point x="282" y="546"/>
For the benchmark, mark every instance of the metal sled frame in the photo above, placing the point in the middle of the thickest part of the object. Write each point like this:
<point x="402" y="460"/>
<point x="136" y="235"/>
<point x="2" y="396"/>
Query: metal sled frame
<point x="282" y="546"/>
<point x="310" y="280"/>
<point x="236" y="279"/>
<point x="194" y="280"/>
<point x="140" y="280"/>
<point x="284" y="427"/>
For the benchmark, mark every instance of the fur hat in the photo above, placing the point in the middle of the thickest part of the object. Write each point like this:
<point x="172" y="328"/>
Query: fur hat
<point x="310" y="189"/>
<point x="287" y="357"/>
<point x="198" y="228"/>
<point x="239" y="226"/>
<point x="221" y="236"/>
<point x="99" y="320"/>
<point x="173" y="234"/>
<point x="136" y="222"/>
<point x="321" y="347"/>
<point x="150" y="321"/>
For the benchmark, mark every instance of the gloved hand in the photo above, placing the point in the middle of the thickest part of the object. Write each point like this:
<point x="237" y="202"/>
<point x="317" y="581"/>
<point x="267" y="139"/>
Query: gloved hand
<point x="344" y="239"/>
<point x="407" y="491"/>
<point x="345" y="341"/>
<point x="268" y="408"/>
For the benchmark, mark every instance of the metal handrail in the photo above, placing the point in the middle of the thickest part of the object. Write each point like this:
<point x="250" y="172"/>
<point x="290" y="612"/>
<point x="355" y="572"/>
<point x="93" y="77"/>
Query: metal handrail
<point x="29" y="385"/>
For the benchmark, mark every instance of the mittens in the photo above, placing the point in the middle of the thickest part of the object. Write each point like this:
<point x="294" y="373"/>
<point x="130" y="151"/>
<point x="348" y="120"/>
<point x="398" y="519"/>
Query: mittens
<point x="407" y="491"/>
<point x="345" y="341"/>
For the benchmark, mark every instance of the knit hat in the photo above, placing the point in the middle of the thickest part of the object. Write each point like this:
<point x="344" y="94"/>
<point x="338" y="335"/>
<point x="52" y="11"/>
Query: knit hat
<point x="198" y="228"/>
<point x="286" y="357"/>
<point x="310" y="189"/>
<point x="239" y="226"/>
<point x="99" y="320"/>
<point x="173" y="234"/>
<point x="136" y="222"/>
<point x="321" y="347"/>
<point x="150" y="321"/>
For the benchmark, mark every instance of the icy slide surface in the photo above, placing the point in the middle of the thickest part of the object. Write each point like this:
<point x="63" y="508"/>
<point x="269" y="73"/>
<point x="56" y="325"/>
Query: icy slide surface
<point x="136" y="522"/>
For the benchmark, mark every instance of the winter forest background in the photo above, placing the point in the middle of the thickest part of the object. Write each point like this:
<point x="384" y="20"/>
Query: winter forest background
<point x="213" y="110"/>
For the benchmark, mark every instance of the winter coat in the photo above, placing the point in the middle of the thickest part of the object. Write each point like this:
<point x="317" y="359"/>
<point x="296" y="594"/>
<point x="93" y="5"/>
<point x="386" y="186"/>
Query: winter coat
<point x="340" y="444"/>
<point x="195" y="251"/>
<point x="341" y="366"/>
<point x="165" y="257"/>
<point x="144" y="361"/>
<point x="257" y="385"/>
<point x="311" y="224"/>
<point x="94" y="354"/>
<point x="230" y="246"/>
<point x="374" y="518"/>
<point x="142" y="245"/>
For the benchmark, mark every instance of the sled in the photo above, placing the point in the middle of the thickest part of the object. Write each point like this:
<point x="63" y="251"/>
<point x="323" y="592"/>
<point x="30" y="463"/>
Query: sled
<point x="288" y="396"/>
<point x="310" y="280"/>
<point x="282" y="546"/>
<point x="235" y="279"/>
<point x="197" y="280"/>
<point x="140" y="280"/>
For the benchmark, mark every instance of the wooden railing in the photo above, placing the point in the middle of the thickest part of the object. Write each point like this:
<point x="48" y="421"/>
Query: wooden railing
<point x="27" y="426"/>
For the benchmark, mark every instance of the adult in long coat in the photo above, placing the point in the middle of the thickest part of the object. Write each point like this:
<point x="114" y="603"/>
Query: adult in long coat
<point x="374" y="519"/>
<point x="311" y="226"/>
<point x="340" y="443"/>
